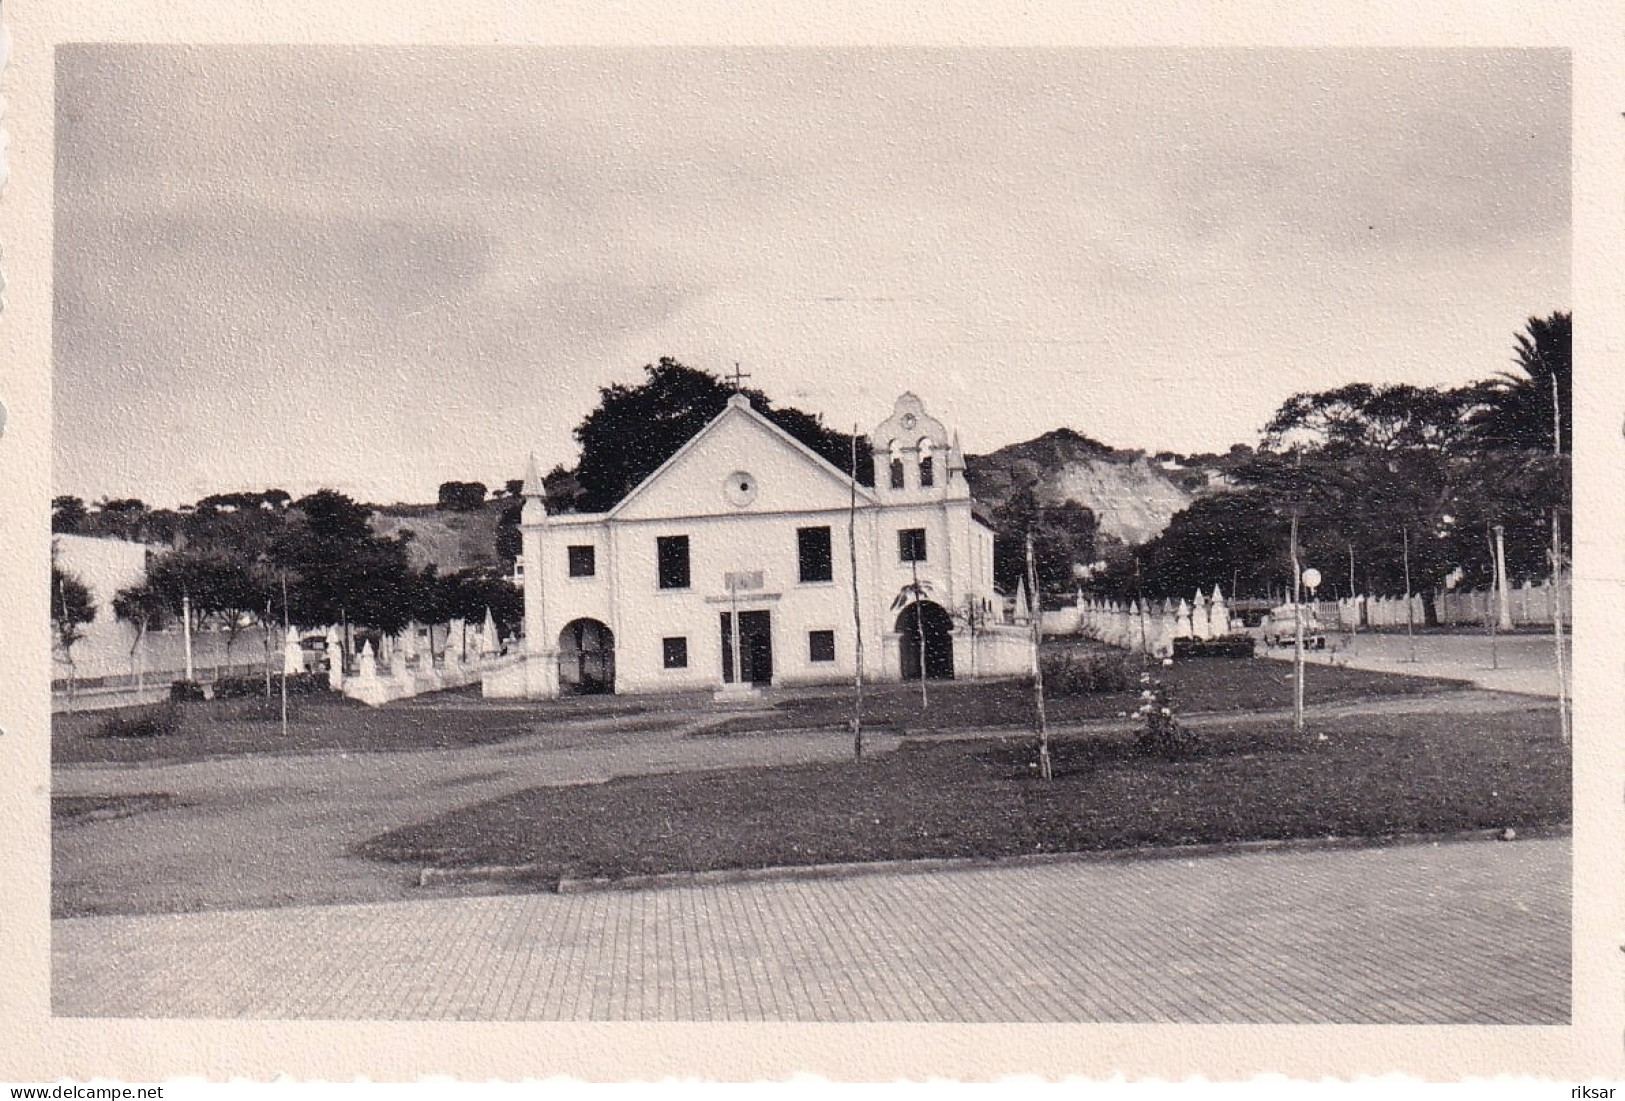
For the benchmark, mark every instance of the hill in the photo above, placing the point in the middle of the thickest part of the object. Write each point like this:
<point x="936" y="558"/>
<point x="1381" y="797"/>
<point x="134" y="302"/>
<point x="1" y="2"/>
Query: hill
<point x="449" y="540"/>
<point x="1133" y="495"/>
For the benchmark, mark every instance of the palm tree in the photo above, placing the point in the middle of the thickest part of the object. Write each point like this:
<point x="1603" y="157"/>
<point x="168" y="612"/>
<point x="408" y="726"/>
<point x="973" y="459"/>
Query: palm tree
<point x="1517" y="414"/>
<point x="915" y="593"/>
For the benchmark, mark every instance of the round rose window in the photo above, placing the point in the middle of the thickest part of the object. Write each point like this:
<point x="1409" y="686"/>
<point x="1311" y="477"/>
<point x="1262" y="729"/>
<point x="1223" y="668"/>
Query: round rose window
<point x="739" y="488"/>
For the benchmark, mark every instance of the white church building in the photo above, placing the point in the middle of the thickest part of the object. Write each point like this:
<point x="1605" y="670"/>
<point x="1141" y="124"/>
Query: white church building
<point x="731" y="565"/>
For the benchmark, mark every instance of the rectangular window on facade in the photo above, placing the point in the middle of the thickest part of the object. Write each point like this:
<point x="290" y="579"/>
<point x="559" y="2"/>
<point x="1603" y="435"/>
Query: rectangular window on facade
<point x="671" y="551"/>
<point x="583" y="561"/>
<point x="674" y="652"/>
<point x="813" y="551"/>
<point x="821" y="645"/>
<point x="911" y="545"/>
<point x="928" y="474"/>
<point x="897" y="473"/>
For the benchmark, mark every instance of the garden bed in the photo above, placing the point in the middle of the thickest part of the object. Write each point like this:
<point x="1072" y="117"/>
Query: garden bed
<point x="1372" y="776"/>
<point x="1196" y="686"/>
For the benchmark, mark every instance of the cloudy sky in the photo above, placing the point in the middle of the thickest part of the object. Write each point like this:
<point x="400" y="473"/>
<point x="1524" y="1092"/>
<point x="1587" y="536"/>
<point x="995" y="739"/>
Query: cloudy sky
<point x="382" y="269"/>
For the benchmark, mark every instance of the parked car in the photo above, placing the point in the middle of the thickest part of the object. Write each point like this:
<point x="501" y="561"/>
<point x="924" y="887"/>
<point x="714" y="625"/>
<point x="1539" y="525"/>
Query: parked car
<point x="1280" y="628"/>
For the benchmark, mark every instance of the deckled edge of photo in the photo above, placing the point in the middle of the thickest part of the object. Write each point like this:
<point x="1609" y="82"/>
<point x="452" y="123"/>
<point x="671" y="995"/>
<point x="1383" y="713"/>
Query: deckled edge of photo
<point x="38" y="1048"/>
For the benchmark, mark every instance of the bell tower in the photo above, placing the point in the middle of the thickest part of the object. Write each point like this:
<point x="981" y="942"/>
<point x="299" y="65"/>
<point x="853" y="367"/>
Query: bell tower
<point x="915" y="458"/>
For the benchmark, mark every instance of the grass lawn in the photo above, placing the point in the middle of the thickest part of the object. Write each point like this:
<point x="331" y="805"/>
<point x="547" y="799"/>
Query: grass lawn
<point x="1197" y="685"/>
<point x="230" y="728"/>
<point x="227" y="728"/>
<point x="1374" y="776"/>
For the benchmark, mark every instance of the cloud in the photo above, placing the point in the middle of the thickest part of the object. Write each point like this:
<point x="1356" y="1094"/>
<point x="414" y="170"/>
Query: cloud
<point x="427" y="260"/>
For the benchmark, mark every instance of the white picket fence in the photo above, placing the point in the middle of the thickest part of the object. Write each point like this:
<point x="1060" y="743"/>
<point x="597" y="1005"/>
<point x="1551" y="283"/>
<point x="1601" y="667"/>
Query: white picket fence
<point x="1529" y="605"/>
<point x="1152" y="627"/>
<point x="1146" y="628"/>
<point x="416" y="660"/>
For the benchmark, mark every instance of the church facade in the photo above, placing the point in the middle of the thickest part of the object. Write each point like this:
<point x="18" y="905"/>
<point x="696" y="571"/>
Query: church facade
<point x="732" y="565"/>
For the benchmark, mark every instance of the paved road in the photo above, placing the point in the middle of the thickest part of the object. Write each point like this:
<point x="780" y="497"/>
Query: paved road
<point x="1452" y="933"/>
<point x="1520" y="663"/>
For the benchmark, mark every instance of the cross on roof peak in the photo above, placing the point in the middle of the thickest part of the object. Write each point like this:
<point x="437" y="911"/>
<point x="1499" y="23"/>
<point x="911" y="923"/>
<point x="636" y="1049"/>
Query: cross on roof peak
<point x="738" y="377"/>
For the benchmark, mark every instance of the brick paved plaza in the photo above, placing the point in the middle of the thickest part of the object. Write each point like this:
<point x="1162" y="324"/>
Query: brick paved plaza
<point x="1450" y="933"/>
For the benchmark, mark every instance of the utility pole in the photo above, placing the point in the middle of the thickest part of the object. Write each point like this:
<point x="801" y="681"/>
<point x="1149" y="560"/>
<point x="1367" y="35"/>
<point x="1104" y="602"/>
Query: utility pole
<point x="284" y="643"/>
<point x="1557" y="572"/>
<point x="1497" y="564"/>
<point x="857" y="607"/>
<point x="1503" y="595"/>
<point x="1410" y="614"/>
<point x="919" y="623"/>
<point x="1297" y="623"/>
<point x="1354" y="595"/>
<point x="1038" y="670"/>
<point x="186" y="631"/>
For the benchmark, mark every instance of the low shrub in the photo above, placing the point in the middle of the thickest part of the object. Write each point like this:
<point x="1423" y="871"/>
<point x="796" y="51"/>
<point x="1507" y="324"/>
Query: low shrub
<point x="1069" y="674"/>
<point x="1161" y="734"/>
<point x="143" y="722"/>
<point x="186" y="691"/>
<point x="241" y="688"/>
<point x="1225" y="646"/>
<point x="256" y="709"/>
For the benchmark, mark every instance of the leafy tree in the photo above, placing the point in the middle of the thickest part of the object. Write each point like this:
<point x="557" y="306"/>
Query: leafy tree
<point x="220" y="587"/>
<point x="338" y="569"/>
<point x="562" y="491"/>
<point x="509" y="539"/>
<point x="513" y="487"/>
<point x="1228" y="539"/>
<point x="461" y="496"/>
<point x="68" y="515"/>
<point x="145" y="608"/>
<point x="1064" y="536"/>
<point x="1386" y="473"/>
<point x="71" y="609"/>
<point x="466" y="595"/>
<point x="635" y="429"/>
<point x="1517" y="412"/>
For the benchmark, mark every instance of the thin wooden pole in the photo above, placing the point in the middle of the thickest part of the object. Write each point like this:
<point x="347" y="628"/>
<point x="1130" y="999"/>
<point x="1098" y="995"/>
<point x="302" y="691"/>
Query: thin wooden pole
<point x="1557" y="626"/>
<point x="1557" y="573"/>
<point x="857" y="607"/>
<point x="186" y="631"/>
<point x="1297" y="624"/>
<point x="1410" y="614"/>
<point x="1038" y="671"/>
<point x="919" y="625"/>
<point x="1354" y="595"/>
<point x="284" y="663"/>
<point x="1497" y="563"/>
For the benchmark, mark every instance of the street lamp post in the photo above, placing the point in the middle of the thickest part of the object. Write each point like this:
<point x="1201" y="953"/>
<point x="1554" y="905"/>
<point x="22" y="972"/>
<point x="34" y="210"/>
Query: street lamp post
<point x="1307" y="579"/>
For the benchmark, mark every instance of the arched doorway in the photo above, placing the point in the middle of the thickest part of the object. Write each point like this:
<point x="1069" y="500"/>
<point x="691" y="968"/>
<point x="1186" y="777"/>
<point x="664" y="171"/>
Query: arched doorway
<point x="938" y="629"/>
<point x="586" y="658"/>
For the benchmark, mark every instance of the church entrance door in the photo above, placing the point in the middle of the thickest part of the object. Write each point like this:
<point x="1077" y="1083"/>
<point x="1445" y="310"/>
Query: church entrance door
<point x="755" y="647"/>
<point x="938" y="628"/>
<point x="586" y="658"/>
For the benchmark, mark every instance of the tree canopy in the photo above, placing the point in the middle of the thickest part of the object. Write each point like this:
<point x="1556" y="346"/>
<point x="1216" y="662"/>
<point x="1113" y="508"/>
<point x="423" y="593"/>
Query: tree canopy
<point x="1378" y="474"/>
<point x="1064" y="537"/>
<point x="635" y="429"/>
<point x="1517" y="412"/>
<point x="71" y="609"/>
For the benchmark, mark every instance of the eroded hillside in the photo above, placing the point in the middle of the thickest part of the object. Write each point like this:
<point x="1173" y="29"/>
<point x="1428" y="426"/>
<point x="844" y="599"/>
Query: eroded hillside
<point x="1132" y="494"/>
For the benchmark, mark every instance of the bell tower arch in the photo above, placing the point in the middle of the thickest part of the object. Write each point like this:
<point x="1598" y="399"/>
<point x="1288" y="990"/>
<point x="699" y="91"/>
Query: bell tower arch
<point x="915" y="456"/>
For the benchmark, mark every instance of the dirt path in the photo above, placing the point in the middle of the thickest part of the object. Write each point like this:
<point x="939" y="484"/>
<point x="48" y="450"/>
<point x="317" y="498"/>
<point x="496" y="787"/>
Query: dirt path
<point x="277" y="829"/>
